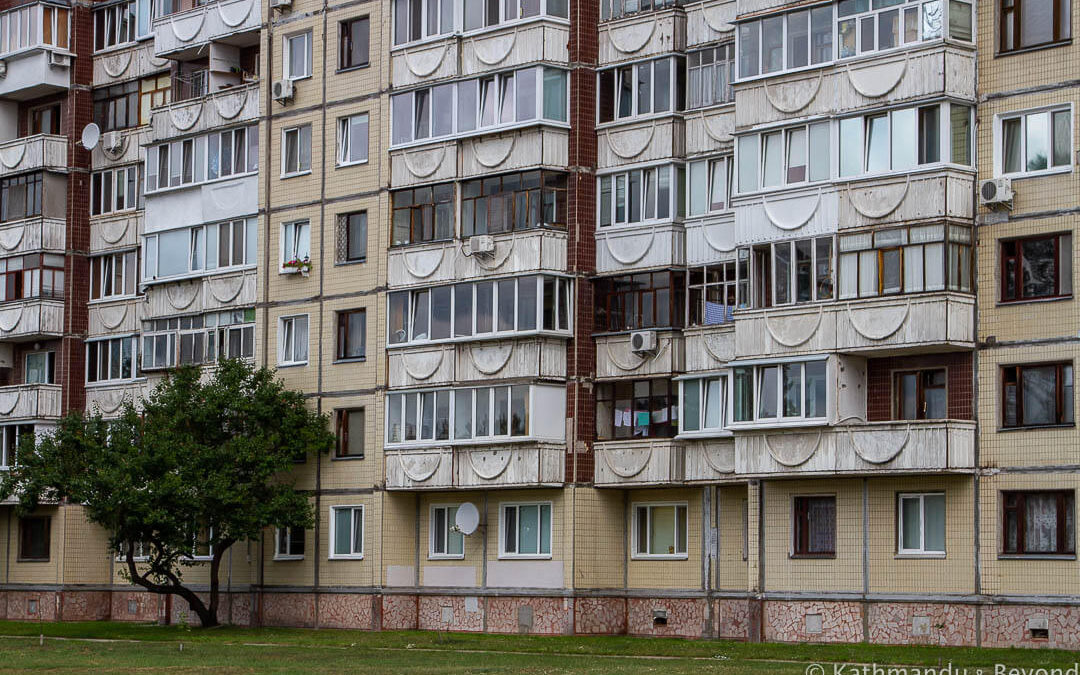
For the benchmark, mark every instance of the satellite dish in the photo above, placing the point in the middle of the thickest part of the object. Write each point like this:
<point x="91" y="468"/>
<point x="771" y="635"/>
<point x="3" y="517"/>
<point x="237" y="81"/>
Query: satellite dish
<point x="91" y="134"/>
<point x="467" y="518"/>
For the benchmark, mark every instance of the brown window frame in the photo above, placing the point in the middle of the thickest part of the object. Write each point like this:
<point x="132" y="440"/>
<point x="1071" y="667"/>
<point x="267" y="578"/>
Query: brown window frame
<point x="614" y="295"/>
<point x="423" y="215"/>
<point x="344" y="236"/>
<point x="514" y="202"/>
<point x="1065" y="500"/>
<point x="1016" y="258"/>
<point x="920" y="392"/>
<point x="25" y="544"/>
<point x="343" y="335"/>
<point x="608" y="392"/>
<point x="1011" y="11"/>
<point x="342" y="426"/>
<point x="800" y="527"/>
<point x="1016" y="380"/>
<point x="345" y="42"/>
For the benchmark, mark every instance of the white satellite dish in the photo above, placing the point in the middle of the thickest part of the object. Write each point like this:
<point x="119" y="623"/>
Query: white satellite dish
<point x="91" y="134"/>
<point x="467" y="518"/>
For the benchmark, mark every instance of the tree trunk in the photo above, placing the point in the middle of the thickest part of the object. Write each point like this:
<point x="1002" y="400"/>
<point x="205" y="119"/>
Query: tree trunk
<point x="207" y="615"/>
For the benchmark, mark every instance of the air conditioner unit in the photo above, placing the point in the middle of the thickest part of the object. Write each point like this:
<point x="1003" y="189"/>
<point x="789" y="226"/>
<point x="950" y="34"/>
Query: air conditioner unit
<point x="59" y="60"/>
<point x="483" y="244"/>
<point x="643" y="341"/>
<point x="111" y="140"/>
<point x="996" y="192"/>
<point x="280" y="4"/>
<point x="283" y="90"/>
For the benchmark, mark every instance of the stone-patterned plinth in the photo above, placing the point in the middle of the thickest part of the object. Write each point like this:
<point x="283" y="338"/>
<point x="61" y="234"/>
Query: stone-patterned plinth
<point x="347" y="610"/>
<point x="799" y="621"/>
<point x="599" y="616"/>
<point x="399" y="612"/>
<point x="685" y="617"/>
<point x="541" y="616"/>
<point x="1010" y="626"/>
<point x="922" y="623"/>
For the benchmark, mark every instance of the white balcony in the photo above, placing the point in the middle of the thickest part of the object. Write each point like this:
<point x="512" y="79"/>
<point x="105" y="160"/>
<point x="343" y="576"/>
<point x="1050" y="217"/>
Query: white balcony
<point x="521" y="252"/>
<point x="642" y="35"/>
<point x="33" y="235"/>
<point x="115" y="316"/>
<point x="206" y="202"/>
<point x="182" y="35"/>
<point x="709" y="130"/>
<point x="615" y="358"/>
<point x="477" y="361"/>
<point x="662" y="462"/>
<point x="709" y="21"/>
<point x="710" y="239"/>
<point x="33" y="153"/>
<point x="107" y="399"/>
<point x="522" y="465"/>
<point x="225" y="107"/>
<point x="620" y="144"/>
<point x="626" y="248"/>
<point x="709" y="348"/>
<point x="225" y="290"/>
<point x="884" y="326"/>
<point x="31" y="319"/>
<point x="859" y="449"/>
<point x="26" y="402"/>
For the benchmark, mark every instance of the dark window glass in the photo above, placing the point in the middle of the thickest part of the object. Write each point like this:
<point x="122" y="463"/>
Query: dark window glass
<point x="1036" y="268"/>
<point x="1038" y="523"/>
<point x="1037" y="395"/>
<point x="353" y="50"/>
<point x="814" y="526"/>
<point x="34" y="538"/>
<point x="637" y="409"/>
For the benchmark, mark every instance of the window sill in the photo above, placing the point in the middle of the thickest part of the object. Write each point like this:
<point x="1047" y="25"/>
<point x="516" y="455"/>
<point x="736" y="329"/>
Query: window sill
<point x="435" y="556"/>
<point x="1036" y="556"/>
<point x="765" y="425"/>
<point x="1024" y="175"/>
<point x="357" y="359"/>
<point x="486" y="337"/>
<point x="704" y="434"/>
<point x="346" y="458"/>
<point x="1032" y="301"/>
<point x="292" y="364"/>
<point x="197" y="275"/>
<point x="194" y="184"/>
<point x="350" y="556"/>
<point x="661" y="557"/>
<point x="446" y="444"/>
<point x="349" y="69"/>
<point x="288" y="558"/>
<point x="919" y="556"/>
<point x="307" y="76"/>
<point x="476" y="133"/>
<point x="112" y="298"/>
<point x="1000" y="53"/>
<point x="345" y="165"/>
<point x="812" y="556"/>
<point x="103" y="384"/>
<point x="296" y="174"/>
<point x="512" y="556"/>
<point x="1036" y="427"/>
<point x="31" y="560"/>
<point x="346" y="263"/>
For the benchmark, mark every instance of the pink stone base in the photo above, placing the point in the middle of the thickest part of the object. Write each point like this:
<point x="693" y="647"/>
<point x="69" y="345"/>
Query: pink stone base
<point x="685" y="617"/>
<point x="786" y="621"/>
<point x="450" y="613"/>
<point x="893" y="623"/>
<point x="599" y="616"/>
<point x="1007" y="626"/>
<point x="399" y="612"/>
<point x="733" y="619"/>
<point x="30" y="605"/>
<point x="85" y="605"/>
<point x="147" y="606"/>
<point x="539" y="616"/>
<point x="288" y="609"/>
<point x="347" y="610"/>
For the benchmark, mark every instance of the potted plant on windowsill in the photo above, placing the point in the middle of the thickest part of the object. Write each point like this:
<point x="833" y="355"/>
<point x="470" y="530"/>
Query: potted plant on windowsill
<point x="296" y="265"/>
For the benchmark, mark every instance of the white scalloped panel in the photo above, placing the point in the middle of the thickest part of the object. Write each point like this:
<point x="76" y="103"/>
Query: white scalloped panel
<point x="420" y="467"/>
<point x="878" y="201"/>
<point x="792" y="96"/>
<point x="489" y="359"/>
<point x="632" y="37"/>
<point x="792" y="449"/>
<point x="879" y="446"/>
<point x="492" y="152"/>
<point x="877" y="79"/>
<point x="489" y="464"/>
<point x="793" y="330"/>
<point x="11" y="237"/>
<point x="423" y="263"/>
<point x="627" y="462"/>
<point x="791" y="213"/>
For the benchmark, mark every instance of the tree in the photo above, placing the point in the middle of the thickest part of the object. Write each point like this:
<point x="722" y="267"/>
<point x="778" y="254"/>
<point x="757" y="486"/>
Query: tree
<point x="201" y="466"/>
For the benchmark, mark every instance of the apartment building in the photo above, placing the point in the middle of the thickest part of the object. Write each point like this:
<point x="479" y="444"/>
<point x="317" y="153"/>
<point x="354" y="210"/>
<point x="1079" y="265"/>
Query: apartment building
<point x="677" y="300"/>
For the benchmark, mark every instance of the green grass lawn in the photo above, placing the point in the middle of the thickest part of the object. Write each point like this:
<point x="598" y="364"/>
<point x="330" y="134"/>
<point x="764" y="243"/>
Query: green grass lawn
<point x="121" y="647"/>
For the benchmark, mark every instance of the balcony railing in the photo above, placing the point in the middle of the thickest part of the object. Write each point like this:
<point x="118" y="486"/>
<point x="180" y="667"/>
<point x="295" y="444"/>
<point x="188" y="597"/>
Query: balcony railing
<point x="32" y="153"/>
<point x="511" y="465"/>
<point x="30" y="402"/>
<point x="33" y="318"/>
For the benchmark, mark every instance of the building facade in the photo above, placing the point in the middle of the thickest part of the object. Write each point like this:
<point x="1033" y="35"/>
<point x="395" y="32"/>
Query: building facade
<point x="718" y="319"/>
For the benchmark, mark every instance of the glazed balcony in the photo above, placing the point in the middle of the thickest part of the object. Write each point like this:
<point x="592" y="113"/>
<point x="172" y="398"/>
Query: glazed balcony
<point x="225" y="107"/>
<point x="520" y="252"/>
<point x="32" y="319"/>
<point x="33" y="153"/>
<point x="882" y="326"/>
<point x="182" y="32"/>
<point x="205" y="202"/>
<point x="642" y="35"/>
<point x="536" y="356"/>
<point x="859" y="449"/>
<point x="36" y="61"/>
<point x="647" y="463"/>
<point x="510" y="465"/>
<point x="27" y="402"/>
<point x="616" y="359"/>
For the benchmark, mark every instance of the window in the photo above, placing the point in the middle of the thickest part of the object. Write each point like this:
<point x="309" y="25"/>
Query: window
<point x="782" y="391"/>
<point x="154" y="92"/>
<point x="231" y="152"/>
<point x="31" y="276"/>
<point x="446" y="540"/>
<point x="353" y="48"/>
<point x="208" y="157"/>
<point x="1035" y="142"/>
<point x="117" y="107"/>
<point x="350" y="433"/>
<point x="863" y="26"/>
<point x="644" y="300"/>
<point x="46" y="119"/>
<point x="464" y="415"/>
<point x="647" y="88"/>
<point x="709" y="189"/>
<point x="905" y="260"/>
<point x="423" y="214"/>
<point x="289" y="543"/>
<point x="1023" y="24"/>
<point x="704" y="404"/>
<point x="140" y="551"/>
<point x="1037" y="395"/>
<point x="762" y="48"/>
<point x="660" y="530"/>
<point x="34" y="538"/>
<point x="20" y="197"/>
<point x="713" y="291"/>
<point x="295" y="244"/>
<point x="11" y="435"/>
<point x="921" y="524"/>
<point x="297" y="156"/>
<point x="34" y="25"/>
<point x="516" y="201"/>
<point x="614" y="9"/>
<point x="709" y="73"/>
<point x="786" y="157"/>
<point x="418" y="19"/>
<point x="1039" y="267"/>
<point x="352" y="237"/>
<point x="636" y="409"/>
<point x="114" y="275"/>
<point x="202" y="544"/>
<point x="525" y="531"/>
<point x="352" y="140"/>
<point x="297" y="54"/>
<point x="904" y="138"/>
<point x="352" y="334"/>
<point x="114" y="25"/>
<point x="508" y="305"/>
<point x="197" y="249"/>
<point x="39" y="368"/>
<point x="920" y="395"/>
<point x="198" y="339"/>
<point x="789" y="272"/>
<point x="814" y="531"/>
<point x="114" y="190"/>
<point x="293" y="338"/>
<point x="111" y="360"/>
<point x="1039" y="523"/>
<point x="490" y="102"/>
<point x="347" y="532"/>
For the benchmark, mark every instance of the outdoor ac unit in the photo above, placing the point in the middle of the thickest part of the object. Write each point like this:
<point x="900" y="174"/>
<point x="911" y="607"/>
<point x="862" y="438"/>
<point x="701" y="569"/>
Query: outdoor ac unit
<point x="996" y="192"/>
<point x="643" y="341"/>
<point x="111" y="140"/>
<point x="483" y="244"/>
<point x="59" y="60"/>
<point x="280" y="4"/>
<point x="283" y="90"/>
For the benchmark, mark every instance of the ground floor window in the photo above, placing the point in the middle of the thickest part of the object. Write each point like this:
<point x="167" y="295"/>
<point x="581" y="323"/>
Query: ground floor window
<point x="526" y="530"/>
<point x="347" y="532"/>
<point x="921" y="520"/>
<point x="660" y="530"/>
<point x="814" y="526"/>
<point x="1039" y="523"/>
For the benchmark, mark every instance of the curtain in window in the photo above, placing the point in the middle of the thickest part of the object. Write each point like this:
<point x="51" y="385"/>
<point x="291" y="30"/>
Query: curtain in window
<point x="822" y="521"/>
<point x="1040" y="531"/>
<point x="1039" y="393"/>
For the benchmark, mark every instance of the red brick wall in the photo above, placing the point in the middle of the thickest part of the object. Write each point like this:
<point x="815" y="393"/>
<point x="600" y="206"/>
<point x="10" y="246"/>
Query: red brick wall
<point x="959" y="385"/>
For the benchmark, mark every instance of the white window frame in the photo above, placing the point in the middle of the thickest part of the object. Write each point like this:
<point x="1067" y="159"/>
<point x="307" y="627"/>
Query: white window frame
<point x="701" y="383"/>
<point x="636" y="554"/>
<point x="200" y="160"/>
<point x="39" y="352"/>
<point x="287" y="533"/>
<point x="354" y="555"/>
<point x="118" y="258"/>
<point x="922" y="550"/>
<point x="210" y="240"/>
<point x="286" y="53"/>
<point x="650" y="185"/>
<point x="135" y="360"/>
<point x="450" y="531"/>
<point x="298" y="131"/>
<point x="474" y="438"/>
<point x="780" y="420"/>
<point x="710" y="176"/>
<point x="293" y="234"/>
<point x="9" y="443"/>
<point x="287" y="332"/>
<point x="345" y="132"/>
<point x="111" y="200"/>
<point x="503" y="553"/>
<point x="1022" y="115"/>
